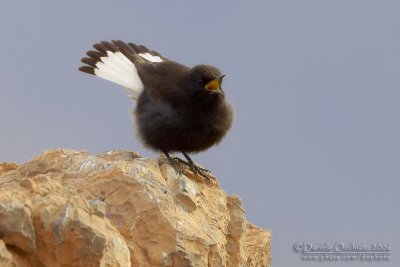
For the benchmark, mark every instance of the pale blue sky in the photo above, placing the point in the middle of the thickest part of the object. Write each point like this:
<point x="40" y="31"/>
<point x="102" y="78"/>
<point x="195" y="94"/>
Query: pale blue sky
<point x="314" y="152"/>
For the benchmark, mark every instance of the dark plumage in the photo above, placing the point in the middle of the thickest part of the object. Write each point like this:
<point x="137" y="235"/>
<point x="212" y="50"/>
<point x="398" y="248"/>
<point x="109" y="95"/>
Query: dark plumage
<point x="178" y="108"/>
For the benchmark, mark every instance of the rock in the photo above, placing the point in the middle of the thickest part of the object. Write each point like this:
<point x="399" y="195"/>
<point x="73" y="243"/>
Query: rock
<point x="69" y="208"/>
<point x="6" y="259"/>
<point x="7" y="166"/>
<point x="16" y="225"/>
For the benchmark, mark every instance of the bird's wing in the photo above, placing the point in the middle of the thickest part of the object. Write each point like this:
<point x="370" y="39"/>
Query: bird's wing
<point x="117" y="62"/>
<point x="162" y="81"/>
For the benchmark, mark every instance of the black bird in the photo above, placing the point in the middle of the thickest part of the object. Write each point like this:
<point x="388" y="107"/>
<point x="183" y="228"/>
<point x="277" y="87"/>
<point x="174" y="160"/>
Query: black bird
<point x="179" y="109"/>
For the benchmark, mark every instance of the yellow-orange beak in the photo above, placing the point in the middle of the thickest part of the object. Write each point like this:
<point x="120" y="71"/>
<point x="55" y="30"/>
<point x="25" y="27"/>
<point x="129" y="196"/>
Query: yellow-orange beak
<point x="214" y="86"/>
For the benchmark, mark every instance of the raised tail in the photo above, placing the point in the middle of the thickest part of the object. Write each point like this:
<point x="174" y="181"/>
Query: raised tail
<point x="116" y="62"/>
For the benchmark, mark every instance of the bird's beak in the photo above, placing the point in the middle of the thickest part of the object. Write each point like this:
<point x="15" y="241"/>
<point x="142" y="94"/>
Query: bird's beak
<point x="214" y="86"/>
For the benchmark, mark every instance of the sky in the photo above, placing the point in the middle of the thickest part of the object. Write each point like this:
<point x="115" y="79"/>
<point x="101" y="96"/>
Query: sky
<point x="314" y="152"/>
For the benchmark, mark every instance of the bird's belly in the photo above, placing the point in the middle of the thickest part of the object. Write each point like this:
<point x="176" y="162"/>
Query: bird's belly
<point x="168" y="130"/>
<point x="197" y="135"/>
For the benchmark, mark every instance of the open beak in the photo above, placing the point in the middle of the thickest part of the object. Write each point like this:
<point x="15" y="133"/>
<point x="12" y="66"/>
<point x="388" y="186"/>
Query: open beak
<point x="214" y="86"/>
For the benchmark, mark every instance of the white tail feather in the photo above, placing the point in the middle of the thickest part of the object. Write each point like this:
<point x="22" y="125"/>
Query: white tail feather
<point x="115" y="67"/>
<point x="109" y="63"/>
<point x="150" y="57"/>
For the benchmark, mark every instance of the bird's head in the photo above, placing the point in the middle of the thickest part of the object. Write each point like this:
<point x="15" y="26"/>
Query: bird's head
<point x="206" y="79"/>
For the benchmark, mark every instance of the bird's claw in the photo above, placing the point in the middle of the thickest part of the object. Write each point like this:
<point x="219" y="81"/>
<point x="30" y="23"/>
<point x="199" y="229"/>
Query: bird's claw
<point x="197" y="170"/>
<point x="174" y="164"/>
<point x="194" y="168"/>
<point x="178" y="170"/>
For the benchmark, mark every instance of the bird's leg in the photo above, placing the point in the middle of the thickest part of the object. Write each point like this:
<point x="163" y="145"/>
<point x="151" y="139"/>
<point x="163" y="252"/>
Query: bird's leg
<point x="194" y="168"/>
<point x="173" y="163"/>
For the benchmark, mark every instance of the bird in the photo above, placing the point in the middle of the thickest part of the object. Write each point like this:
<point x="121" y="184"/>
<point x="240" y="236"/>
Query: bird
<point x="178" y="108"/>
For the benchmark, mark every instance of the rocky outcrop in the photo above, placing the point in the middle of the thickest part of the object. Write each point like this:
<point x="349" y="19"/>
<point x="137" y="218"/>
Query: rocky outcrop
<point x="69" y="208"/>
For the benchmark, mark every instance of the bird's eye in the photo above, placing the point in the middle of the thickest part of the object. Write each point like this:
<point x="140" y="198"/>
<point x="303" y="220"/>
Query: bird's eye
<point x="199" y="82"/>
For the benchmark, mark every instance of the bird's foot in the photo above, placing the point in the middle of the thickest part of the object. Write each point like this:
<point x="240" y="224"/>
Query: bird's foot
<point x="174" y="164"/>
<point x="198" y="170"/>
<point x="184" y="162"/>
<point x="178" y="170"/>
<point x="194" y="168"/>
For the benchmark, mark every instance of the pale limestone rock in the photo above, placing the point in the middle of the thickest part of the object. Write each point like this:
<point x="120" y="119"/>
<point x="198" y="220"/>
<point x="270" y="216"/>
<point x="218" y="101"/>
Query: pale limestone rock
<point x="258" y="249"/>
<point x="7" y="166"/>
<point x="236" y="229"/>
<point x="16" y="225"/>
<point x="69" y="208"/>
<point x="6" y="259"/>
